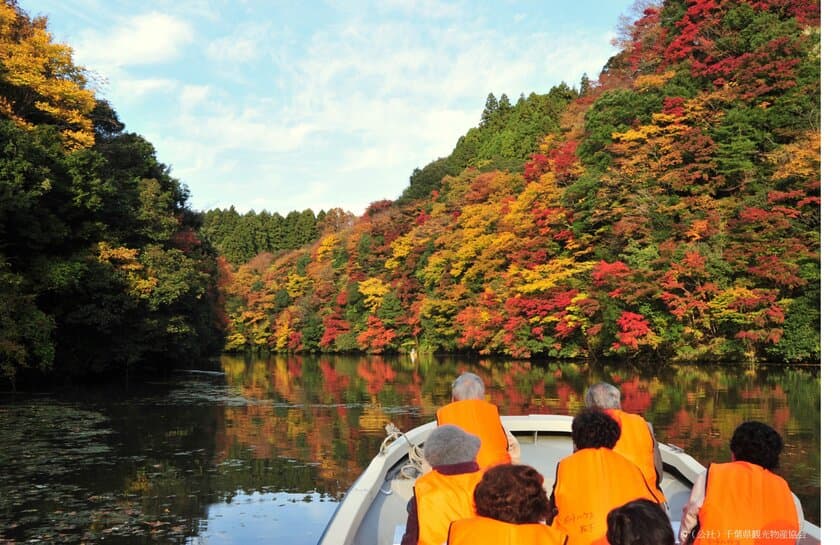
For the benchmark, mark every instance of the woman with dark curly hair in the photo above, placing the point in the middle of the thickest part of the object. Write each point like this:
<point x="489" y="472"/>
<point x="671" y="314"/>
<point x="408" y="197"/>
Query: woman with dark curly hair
<point x="639" y="522"/>
<point x="511" y="504"/>
<point x="594" y="480"/>
<point x="743" y="502"/>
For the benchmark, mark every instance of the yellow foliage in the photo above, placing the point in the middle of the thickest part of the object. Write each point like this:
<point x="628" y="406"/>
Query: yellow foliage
<point x="574" y="316"/>
<point x="328" y="244"/>
<point x="466" y="254"/>
<point x="123" y="258"/>
<point x="296" y="285"/>
<point x="142" y="286"/>
<point x="799" y="159"/>
<point x="664" y="126"/>
<point x="633" y="135"/>
<point x="53" y="84"/>
<point x="724" y="306"/>
<point x="707" y="109"/>
<point x="234" y="341"/>
<point x="400" y="248"/>
<point x="663" y="119"/>
<point x="282" y="329"/>
<point x="374" y="290"/>
<point x="546" y="276"/>
<point x="650" y="81"/>
<point x="434" y="269"/>
<point x="141" y="282"/>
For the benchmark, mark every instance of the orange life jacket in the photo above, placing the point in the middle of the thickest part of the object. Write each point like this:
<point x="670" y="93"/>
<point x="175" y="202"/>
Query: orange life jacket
<point x="479" y="418"/>
<point x="590" y="483"/>
<point x="442" y="499"/>
<point x="636" y="444"/>
<point x="488" y="531"/>
<point x="746" y="504"/>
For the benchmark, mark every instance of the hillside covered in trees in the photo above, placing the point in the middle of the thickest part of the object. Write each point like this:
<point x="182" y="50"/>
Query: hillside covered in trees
<point x="240" y="237"/>
<point x="668" y="210"/>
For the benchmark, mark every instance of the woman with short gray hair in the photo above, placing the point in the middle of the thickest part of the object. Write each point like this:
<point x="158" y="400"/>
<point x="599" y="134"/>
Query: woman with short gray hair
<point x="445" y="493"/>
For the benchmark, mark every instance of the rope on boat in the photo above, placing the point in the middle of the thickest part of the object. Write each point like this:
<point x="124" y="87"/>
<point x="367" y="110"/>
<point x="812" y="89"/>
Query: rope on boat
<point x="416" y="464"/>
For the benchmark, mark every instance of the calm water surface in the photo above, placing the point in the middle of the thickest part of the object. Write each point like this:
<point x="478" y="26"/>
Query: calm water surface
<point x="262" y="451"/>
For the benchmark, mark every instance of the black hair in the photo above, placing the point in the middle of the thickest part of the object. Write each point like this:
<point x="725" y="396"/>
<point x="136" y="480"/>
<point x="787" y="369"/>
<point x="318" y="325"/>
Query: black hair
<point x="756" y="443"/>
<point x="593" y="428"/>
<point x="639" y="522"/>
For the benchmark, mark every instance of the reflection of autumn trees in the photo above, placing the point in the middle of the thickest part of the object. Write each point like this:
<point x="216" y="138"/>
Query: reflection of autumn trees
<point x="331" y="411"/>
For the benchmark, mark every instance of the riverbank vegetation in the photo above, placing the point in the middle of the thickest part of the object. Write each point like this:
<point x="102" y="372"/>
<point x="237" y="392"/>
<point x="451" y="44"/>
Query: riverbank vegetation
<point x="668" y="209"/>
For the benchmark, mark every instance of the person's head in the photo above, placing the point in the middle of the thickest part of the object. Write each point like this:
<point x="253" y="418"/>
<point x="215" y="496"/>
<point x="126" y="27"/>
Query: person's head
<point x="639" y="522"/>
<point x="593" y="428"/>
<point x="449" y="444"/>
<point x="512" y="493"/>
<point x="603" y="396"/>
<point x="467" y="386"/>
<point x="756" y="443"/>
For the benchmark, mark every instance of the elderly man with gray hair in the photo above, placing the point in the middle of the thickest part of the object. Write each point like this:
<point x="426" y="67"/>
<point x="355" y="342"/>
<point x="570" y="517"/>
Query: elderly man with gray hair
<point x="470" y="411"/>
<point x="446" y="492"/>
<point x="637" y="442"/>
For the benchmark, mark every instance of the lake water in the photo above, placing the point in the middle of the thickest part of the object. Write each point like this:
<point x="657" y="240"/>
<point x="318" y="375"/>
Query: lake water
<point x="262" y="451"/>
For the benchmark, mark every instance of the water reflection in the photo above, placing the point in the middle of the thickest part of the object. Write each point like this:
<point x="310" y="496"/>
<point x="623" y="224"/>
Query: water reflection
<point x="262" y="453"/>
<point x="261" y="518"/>
<point x="341" y="405"/>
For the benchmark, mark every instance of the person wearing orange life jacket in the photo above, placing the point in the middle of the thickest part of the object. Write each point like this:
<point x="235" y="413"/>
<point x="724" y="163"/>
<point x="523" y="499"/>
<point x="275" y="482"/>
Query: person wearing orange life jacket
<point x="594" y="480"/>
<point x="446" y="492"/>
<point x="637" y="441"/>
<point x="743" y="502"/>
<point x="469" y="410"/>
<point x="511" y="507"/>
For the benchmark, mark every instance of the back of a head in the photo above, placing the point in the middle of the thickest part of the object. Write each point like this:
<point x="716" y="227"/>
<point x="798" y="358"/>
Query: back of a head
<point x="756" y="443"/>
<point x="512" y="493"/>
<point x="639" y="522"/>
<point x="593" y="428"/>
<point x="467" y="386"/>
<point x="603" y="396"/>
<point x="449" y="444"/>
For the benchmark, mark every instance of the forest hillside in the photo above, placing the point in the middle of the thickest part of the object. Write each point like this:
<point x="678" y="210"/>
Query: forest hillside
<point x="669" y="210"/>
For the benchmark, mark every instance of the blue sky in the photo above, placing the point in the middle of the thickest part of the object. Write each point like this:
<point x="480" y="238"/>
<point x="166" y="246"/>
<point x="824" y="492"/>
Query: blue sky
<point x="283" y="106"/>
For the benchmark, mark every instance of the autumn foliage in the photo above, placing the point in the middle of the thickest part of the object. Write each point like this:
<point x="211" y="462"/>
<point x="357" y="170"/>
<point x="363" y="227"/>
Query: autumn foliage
<point x="674" y="216"/>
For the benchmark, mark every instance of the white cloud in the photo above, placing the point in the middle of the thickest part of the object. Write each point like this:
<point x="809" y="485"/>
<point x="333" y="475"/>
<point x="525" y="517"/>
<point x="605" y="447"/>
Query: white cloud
<point x="192" y="96"/>
<point x="236" y="48"/>
<point x="232" y="132"/>
<point x="138" y="89"/>
<point x="377" y="99"/>
<point x="149" y="38"/>
<point x="430" y="9"/>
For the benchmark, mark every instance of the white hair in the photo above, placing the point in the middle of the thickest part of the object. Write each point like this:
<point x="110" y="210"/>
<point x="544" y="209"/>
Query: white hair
<point x="449" y="444"/>
<point x="467" y="386"/>
<point x="603" y="396"/>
